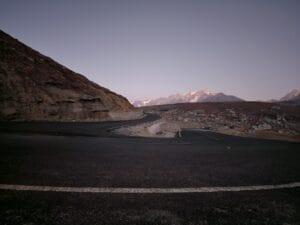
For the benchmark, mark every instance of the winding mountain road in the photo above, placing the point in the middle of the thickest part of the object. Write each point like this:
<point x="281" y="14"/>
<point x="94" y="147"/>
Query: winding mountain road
<point x="241" y="174"/>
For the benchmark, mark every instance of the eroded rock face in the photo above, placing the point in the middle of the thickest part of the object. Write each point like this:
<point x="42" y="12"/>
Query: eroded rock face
<point x="35" y="87"/>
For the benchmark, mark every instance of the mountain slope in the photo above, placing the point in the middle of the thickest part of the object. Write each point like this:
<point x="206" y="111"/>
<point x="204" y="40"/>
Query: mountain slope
<point x="194" y="96"/>
<point x="35" y="87"/>
<point x="291" y="96"/>
<point x="220" y="97"/>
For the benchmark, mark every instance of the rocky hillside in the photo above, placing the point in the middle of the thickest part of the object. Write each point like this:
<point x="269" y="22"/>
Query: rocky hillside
<point x="251" y="119"/>
<point x="35" y="87"/>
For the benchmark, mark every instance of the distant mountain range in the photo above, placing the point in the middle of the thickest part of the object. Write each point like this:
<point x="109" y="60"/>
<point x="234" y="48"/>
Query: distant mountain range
<point x="207" y="96"/>
<point x="193" y="96"/>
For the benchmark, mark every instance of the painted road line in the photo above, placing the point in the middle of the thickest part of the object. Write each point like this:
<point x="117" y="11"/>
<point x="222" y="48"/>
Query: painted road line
<point x="16" y="187"/>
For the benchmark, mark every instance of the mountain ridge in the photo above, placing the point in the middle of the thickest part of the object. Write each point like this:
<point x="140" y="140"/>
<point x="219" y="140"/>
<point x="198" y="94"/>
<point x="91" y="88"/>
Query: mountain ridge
<point x="291" y="96"/>
<point x="192" y="96"/>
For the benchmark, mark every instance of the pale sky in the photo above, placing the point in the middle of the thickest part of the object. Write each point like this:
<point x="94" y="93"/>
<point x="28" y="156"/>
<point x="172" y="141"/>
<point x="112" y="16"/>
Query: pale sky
<point x="152" y="48"/>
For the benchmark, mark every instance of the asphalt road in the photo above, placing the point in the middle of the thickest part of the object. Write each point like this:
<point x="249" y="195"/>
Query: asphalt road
<point x="92" y="129"/>
<point x="88" y="155"/>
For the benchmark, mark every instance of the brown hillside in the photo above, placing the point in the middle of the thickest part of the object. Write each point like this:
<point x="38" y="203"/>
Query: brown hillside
<point x="35" y="87"/>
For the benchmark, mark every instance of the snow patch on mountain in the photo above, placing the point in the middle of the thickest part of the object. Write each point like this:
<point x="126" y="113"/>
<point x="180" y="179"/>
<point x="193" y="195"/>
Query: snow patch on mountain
<point x="193" y="96"/>
<point x="291" y="96"/>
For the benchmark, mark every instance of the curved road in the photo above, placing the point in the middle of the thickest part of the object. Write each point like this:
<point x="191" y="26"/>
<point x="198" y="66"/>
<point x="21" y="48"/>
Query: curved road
<point x="97" y="129"/>
<point x="88" y="155"/>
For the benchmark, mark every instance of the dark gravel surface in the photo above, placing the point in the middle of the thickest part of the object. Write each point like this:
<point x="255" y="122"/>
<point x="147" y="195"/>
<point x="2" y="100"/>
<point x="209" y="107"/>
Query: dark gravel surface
<point x="245" y="208"/>
<point x="85" y="154"/>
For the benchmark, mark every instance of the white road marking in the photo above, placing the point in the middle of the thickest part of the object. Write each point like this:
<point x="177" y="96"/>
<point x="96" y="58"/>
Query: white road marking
<point x="16" y="187"/>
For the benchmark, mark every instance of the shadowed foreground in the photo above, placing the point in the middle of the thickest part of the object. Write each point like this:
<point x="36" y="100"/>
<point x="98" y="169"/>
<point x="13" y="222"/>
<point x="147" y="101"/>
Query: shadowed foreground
<point x="81" y="158"/>
<point x="262" y="207"/>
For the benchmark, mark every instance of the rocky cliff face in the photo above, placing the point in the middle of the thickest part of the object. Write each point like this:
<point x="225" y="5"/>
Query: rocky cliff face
<point x="35" y="87"/>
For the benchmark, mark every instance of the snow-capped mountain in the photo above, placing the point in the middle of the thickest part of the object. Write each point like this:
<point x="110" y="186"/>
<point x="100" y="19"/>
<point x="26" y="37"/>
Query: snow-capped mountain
<point x="193" y="96"/>
<point x="291" y="96"/>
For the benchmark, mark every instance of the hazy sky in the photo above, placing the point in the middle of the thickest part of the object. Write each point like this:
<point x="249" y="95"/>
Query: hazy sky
<point x="151" y="48"/>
